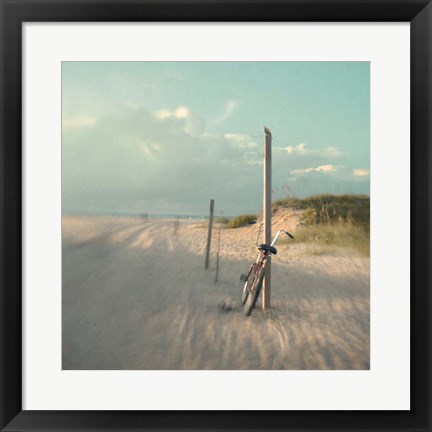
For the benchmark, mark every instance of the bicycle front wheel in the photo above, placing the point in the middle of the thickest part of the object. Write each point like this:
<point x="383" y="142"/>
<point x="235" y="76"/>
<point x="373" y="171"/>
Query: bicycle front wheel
<point x="248" y="284"/>
<point x="254" y="293"/>
<point x="245" y="292"/>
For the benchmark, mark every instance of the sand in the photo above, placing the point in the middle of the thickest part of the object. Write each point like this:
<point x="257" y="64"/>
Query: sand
<point x="136" y="296"/>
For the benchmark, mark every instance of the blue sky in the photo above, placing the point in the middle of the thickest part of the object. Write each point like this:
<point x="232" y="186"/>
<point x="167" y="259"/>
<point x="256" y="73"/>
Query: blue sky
<point x="166" y="137"/>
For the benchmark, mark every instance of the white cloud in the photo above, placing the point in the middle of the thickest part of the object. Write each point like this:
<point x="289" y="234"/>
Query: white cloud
<point x="301" y="171"/>
<point x="163" y="114"/>
<point x="360" y="172"/>
<point x="321" y="169"/>
<point x="326" y="168"/>
<point x="192" y="124"/>
<point x="230" y="107"/>
<point x="301" y="149"/>
<point x="136" y="160"/>
<point x="78" y="121"/>
<point x="332" y="152"/>
<point x="241" y="141"/>
<point x="181" y="112"/>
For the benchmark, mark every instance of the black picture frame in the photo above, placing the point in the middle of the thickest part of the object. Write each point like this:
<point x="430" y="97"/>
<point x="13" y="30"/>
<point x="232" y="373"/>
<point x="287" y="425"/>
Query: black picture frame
<point x="16" y="12"/>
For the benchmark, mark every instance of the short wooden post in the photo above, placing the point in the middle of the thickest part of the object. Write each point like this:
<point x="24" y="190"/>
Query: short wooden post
<point x="210" y="227"/>
<point x="267" y="216"/>
<point x="217" y="257"/>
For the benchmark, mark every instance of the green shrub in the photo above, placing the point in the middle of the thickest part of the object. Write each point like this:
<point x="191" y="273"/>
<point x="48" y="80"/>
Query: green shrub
<point x="241" y="220"/>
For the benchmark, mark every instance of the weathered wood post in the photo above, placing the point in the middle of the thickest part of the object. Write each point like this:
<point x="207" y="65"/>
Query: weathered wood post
<point x="267" y="204"/>
<point x="217" y="257"/>
<point x="210" y="227"/>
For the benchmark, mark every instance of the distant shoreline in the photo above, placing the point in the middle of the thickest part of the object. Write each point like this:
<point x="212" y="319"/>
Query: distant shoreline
<point x="134" y="215"/>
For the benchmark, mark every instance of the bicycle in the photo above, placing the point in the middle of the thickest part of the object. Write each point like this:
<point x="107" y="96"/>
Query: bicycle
<point x="254" y="278"/>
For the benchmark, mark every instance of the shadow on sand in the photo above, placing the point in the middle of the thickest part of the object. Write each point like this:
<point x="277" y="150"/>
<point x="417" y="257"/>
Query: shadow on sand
<point x="139" y="299"/>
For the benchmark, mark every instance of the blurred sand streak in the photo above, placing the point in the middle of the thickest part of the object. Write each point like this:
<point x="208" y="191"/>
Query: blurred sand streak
<point x="136" y="296"/>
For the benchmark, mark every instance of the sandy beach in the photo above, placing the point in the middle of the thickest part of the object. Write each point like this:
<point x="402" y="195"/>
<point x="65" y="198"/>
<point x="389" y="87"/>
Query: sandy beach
<point x="136" y="296"/>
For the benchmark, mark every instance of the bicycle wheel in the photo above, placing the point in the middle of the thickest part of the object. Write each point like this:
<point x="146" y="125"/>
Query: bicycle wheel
<point x="254" y="293"/>
<point x="248" y="284"/>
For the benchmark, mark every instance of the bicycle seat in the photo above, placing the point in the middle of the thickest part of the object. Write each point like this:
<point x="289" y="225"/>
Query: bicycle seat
<point x="266" y="247"/>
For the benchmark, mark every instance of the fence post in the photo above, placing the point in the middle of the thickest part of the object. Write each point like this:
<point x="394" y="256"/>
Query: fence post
<point x="267" y="216"/>
<point x="210" y="227"/>
<point x="217" y="257"/>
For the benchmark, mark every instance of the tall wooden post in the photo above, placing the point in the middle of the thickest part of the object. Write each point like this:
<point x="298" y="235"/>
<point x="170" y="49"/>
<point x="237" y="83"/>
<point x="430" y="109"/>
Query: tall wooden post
<point x="267" y="205"/>
<point x="210" y="227"/>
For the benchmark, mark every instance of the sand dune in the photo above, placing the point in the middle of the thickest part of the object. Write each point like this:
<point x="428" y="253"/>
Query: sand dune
<point x="136" y="296"/>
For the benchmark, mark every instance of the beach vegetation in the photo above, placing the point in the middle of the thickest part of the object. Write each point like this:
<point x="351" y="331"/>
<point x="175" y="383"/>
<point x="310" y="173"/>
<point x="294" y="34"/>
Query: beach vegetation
<point x="222" y="220"/>
<point x="350" y="209"/>
<point x="242" y="220"/>
<point x="331" y="224"/>
<point x="333" y="239"/>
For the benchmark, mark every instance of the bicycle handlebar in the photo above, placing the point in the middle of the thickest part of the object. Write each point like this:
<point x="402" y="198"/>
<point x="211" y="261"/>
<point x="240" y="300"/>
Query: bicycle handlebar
<point x="275" y="237"/>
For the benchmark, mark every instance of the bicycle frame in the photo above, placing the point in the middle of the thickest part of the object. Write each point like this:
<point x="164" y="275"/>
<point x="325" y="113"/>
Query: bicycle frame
<point x="262" y="256"/>
<point x="258" y="264"/>
<point x="258" y="267"/>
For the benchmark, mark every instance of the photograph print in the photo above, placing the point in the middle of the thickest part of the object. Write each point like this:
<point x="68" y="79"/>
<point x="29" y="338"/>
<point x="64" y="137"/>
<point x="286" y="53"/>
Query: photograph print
<point x="215" y="215"/>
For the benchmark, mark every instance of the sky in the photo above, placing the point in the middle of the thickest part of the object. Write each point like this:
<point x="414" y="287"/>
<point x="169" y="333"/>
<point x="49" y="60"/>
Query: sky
<point x="166" y="137"/>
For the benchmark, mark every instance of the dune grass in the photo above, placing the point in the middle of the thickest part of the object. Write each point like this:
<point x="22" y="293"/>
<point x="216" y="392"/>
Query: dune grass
<point x="330" y="209"/>
<point x="224" y="221"/>
<point x="332" y="239"/>
<point x="241" y="220"/>
<point x="219" y="221"/>
<point x="332" y="223"/>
